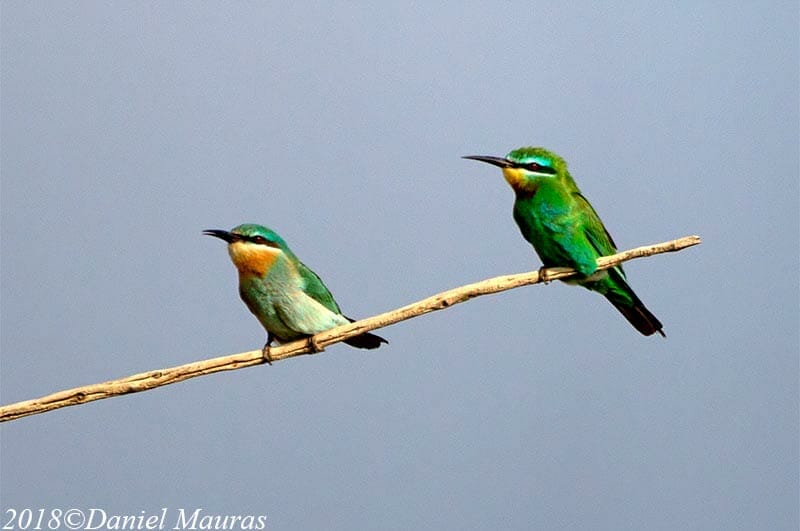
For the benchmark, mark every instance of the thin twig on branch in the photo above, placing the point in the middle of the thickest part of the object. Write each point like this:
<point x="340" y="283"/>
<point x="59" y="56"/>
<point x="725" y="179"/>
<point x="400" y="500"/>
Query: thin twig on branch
<point x="158" y="378"/>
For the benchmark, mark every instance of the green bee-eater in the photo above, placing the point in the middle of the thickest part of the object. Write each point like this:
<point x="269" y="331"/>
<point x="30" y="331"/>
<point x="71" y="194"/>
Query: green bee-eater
<point x="564" y="229"/>
<point x="287" y="297"/>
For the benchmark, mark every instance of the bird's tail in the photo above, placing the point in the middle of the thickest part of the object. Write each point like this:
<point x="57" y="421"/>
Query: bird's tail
<point x="365" y="340"/>
<point x="620" y="294"/>
<point x="636" y="314"/>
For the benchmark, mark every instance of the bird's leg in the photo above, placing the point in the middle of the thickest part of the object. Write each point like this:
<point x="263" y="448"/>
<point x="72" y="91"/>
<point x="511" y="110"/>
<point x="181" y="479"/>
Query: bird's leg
<point x="543" y="277"/>
<point x="265" y="351"/>
<point x="314" y="346"/>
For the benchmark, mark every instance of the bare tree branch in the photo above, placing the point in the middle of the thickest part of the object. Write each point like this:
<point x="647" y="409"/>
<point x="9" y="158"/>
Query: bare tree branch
<point x="158" y="378"/>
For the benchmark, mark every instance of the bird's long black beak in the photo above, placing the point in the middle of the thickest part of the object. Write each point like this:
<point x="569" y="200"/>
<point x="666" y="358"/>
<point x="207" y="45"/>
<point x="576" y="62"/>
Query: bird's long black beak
<point x="496" y="161"/>
<point x="221" y="234"/>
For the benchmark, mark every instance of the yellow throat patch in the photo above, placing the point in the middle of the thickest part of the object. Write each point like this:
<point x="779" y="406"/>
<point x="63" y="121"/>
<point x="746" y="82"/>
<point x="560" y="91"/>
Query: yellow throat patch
<point x="515" y="177"/>
<point x="253" y="259"/>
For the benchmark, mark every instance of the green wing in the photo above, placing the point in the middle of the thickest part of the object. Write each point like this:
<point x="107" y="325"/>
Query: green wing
<point x="576" y="238"/>
<point x="315" y="289"/>
<point x="596" y="232"/>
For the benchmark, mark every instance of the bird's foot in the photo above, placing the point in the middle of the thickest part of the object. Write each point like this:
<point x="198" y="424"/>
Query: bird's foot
<point x="314" y="346"/>
<point x="543" y="276"/>
<point x="265" y="354"/>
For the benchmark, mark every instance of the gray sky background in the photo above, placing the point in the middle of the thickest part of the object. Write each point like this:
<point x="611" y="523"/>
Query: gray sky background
<point x="129" y="127"/>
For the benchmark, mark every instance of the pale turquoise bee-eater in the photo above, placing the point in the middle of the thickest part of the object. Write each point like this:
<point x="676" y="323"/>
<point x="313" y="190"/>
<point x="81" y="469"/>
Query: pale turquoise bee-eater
<point x="288" y="299"/>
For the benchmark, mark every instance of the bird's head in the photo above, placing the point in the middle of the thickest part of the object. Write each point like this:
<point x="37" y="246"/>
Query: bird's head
<point x="252" y="248"/>
<point x="523" y="168"/>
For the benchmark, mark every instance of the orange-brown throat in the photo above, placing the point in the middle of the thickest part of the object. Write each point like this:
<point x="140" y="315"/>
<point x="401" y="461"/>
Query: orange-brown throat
<point x="252" y="259"/>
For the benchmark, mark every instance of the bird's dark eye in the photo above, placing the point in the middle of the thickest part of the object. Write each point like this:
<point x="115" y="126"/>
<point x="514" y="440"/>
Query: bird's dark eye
<point x="260" y="240"/>
<point x="539" y="168"/>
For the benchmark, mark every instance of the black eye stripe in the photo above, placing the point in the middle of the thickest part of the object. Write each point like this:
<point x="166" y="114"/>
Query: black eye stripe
<point x="538" y="168"/>
<point x="260" y="240"/>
